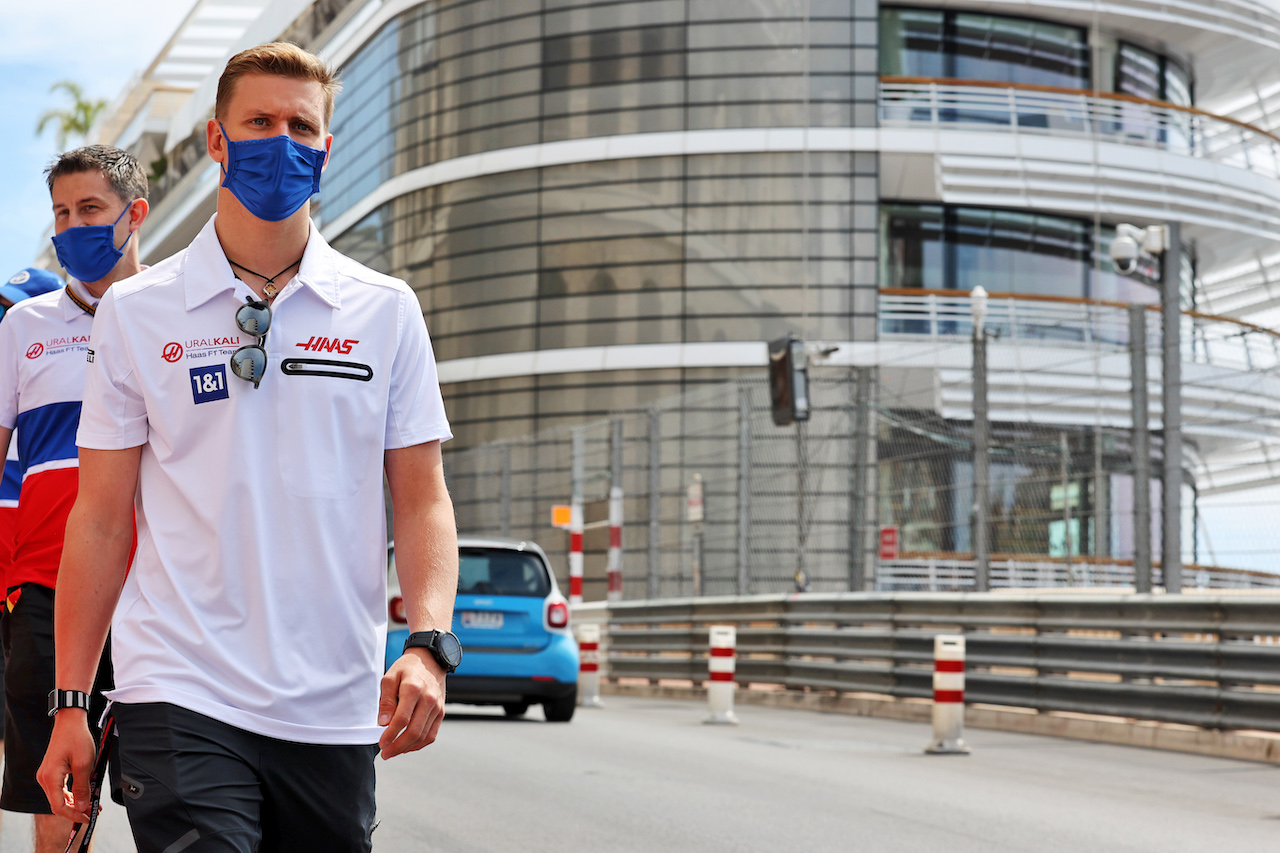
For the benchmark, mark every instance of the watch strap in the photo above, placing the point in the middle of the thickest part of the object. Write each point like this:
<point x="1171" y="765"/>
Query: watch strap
<point x="429" y="640"/>
<point x="59" y="699"/>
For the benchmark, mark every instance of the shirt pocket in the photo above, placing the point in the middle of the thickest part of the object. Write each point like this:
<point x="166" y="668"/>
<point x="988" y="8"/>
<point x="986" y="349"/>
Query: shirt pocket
<point x="330" y="430"/>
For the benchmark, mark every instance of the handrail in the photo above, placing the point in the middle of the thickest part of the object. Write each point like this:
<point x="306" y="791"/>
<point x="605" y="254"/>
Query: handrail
<point x="1272" y="579"/>
<point x="1027" y="109"/>
<point x="1062" y="90"/>
<point x="1072" y="300"/>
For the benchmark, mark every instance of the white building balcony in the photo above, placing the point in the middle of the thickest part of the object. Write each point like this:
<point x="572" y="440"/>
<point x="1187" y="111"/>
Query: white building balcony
<point x="1084" y="154"/>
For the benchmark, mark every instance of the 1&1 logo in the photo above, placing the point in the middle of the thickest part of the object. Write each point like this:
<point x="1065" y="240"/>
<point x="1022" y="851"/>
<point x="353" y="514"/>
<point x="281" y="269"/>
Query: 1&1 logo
<point x="172" y="352"/>
<point x="35" y="350"/>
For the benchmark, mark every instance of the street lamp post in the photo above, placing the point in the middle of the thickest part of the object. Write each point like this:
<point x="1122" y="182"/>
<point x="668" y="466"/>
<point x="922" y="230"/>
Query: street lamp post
<point x="981" y="440"/>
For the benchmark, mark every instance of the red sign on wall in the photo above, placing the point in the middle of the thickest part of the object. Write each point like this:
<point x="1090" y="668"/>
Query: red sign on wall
<point x="889" y="542"/>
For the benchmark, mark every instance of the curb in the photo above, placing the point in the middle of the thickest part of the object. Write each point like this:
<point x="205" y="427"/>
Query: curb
<point x="1263" y="747"/>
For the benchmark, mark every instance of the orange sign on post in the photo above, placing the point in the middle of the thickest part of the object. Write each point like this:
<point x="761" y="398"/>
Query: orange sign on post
<point x="561" y="516"/>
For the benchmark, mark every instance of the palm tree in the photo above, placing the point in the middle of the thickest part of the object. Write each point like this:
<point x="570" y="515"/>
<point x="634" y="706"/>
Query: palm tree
<point x="77" y="120"/>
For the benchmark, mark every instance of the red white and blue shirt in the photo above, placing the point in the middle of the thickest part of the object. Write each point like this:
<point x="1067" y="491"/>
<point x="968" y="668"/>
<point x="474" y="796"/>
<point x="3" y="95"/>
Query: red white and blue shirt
<point x="43" y="344"/>
<point x="10" y="488"/>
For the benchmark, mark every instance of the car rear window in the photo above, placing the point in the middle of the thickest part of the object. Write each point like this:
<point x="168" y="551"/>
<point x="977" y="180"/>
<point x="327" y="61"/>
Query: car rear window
<point x="496" y="572"/>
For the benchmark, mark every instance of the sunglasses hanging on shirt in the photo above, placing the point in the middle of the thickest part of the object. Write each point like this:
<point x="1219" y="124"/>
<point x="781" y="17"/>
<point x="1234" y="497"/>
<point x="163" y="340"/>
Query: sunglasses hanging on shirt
<point x="254" y="318"/>
<point x="250" y="361"/>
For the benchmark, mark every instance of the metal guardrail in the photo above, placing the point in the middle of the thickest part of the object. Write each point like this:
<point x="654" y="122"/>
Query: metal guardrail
<point x="1125" y="120"/>
<point x="1203" y="660"/>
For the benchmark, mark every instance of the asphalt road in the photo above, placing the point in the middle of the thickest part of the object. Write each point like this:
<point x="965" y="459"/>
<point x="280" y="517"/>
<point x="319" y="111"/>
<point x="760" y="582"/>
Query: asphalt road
<point x="645" y="775"/>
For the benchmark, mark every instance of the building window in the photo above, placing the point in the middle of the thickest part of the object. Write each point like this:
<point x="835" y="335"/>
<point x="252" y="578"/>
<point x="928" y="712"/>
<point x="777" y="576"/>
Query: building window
<point x="609" y="57"/>
<point x="948" y="247"/>
<point x="968" y="46"/>
<point x="1152" y="76"/>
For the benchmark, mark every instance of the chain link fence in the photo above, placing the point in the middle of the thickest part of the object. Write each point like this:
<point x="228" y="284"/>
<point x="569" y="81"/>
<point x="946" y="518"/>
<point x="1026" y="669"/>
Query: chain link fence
<point x="873" y="492"/>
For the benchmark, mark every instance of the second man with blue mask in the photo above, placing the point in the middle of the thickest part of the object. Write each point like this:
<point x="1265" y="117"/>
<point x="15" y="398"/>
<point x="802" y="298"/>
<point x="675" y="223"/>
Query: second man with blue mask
<point x="93" y="227"/>
<point x="99" y="199"/>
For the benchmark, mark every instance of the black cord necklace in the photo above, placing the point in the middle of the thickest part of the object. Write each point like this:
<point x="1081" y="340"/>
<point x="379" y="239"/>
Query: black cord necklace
<point x="269" y="288"/>
<point x="80" y="303"/>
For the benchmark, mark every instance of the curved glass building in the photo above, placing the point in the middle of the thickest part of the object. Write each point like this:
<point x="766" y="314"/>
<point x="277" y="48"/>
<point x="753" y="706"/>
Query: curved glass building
<point x="604" y="204"/>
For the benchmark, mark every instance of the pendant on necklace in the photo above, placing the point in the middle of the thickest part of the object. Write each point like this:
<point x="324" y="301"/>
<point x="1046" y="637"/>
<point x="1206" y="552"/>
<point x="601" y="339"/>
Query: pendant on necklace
<point x="271" y="290"/>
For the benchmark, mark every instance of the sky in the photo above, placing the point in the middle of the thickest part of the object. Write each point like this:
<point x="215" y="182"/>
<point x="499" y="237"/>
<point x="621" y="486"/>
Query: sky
<point x="95" y="44"/>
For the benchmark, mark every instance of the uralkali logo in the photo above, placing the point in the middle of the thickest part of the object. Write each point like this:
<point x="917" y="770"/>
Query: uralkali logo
<point x="35" y="350"/>
<point x="172" y="352"/>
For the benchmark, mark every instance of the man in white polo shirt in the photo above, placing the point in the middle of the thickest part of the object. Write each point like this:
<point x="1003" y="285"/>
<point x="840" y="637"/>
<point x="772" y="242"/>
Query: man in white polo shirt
<point x="253" y="389"/>
<point x="99" y="196"/>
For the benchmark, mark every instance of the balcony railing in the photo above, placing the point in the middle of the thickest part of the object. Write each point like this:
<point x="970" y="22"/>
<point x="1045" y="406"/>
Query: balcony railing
<point x="1061" y="321"/>
<point x="1057" y="112"/>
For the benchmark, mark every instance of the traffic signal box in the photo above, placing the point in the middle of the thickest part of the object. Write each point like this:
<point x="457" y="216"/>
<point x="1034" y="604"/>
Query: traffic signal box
<point x="788" y="380"/>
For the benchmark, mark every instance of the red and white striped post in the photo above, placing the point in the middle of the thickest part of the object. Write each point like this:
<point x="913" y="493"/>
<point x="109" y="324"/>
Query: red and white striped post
<point x="577" y="478"/>
<point x="575" y="551"/>
<point x="722" y="665"/>
<point x="589" y="666"/>
<point x="948" y="696"/>
<point x="615" y="543"/>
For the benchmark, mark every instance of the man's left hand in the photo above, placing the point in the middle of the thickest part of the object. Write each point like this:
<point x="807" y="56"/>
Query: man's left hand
<point x="412" y="704"/>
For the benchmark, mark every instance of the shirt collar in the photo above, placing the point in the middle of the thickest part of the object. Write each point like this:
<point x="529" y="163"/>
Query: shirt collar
<point x="206" y="272"/>
<point x="70" y="310"/>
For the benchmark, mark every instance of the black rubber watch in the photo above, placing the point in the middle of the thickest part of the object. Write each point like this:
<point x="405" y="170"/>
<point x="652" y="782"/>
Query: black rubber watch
<point x="443" y="645"/>
<point x="59" y="699"/>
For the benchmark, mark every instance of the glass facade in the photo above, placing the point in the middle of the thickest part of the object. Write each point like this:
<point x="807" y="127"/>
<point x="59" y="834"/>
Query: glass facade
<point x="445" y="80"/>
<point x="645" y="251"/>
<point x="970" y="46"/>
<point x="711" y="247"/>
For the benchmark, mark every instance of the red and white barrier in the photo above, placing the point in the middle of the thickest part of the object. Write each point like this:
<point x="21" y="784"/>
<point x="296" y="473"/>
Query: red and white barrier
<point x="575" y="551"/>
<point x="948" y="696"/>
<point x="722" y="666"/>
<point x="615" y="543"/>
<point x="589" y="666"/>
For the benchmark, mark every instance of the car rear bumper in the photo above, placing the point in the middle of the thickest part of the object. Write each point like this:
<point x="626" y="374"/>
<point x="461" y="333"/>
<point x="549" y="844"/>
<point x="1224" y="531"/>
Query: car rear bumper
<point x="486" y="690"/>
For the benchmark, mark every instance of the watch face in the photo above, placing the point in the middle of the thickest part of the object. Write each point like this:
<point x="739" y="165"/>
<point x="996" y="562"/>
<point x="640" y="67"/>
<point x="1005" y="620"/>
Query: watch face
<point x="450" y="648"/>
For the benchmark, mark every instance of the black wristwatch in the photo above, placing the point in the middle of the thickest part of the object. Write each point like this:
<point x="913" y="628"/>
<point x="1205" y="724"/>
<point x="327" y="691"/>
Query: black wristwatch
<point x="59" y="699"/>
<point x="443" y="645"/>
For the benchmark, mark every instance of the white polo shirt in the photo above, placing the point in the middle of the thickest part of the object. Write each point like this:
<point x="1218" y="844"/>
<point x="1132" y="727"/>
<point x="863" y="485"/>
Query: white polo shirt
<point x="258" y="592"/>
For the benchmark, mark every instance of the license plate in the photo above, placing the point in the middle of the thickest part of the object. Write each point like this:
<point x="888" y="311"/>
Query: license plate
<point x="481" y="619"/>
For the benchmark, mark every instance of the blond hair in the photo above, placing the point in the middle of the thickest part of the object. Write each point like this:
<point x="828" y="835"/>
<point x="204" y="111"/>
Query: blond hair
<point x="281" y="59"/>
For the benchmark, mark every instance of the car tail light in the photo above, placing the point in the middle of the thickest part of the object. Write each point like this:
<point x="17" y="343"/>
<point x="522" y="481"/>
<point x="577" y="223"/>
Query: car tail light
<point x="395" y="610"/>
<point x="558" y="614"/>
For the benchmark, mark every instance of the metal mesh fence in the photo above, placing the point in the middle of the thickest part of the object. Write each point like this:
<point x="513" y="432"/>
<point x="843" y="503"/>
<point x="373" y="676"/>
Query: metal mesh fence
<point x="875" y="491"/>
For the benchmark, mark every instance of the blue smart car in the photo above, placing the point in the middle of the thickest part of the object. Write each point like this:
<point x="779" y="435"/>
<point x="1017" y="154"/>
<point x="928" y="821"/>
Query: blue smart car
<point x="517" y="649"/>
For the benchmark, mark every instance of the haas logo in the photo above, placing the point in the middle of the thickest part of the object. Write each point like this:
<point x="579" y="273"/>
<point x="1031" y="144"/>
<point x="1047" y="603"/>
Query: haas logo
<point x="35" y="350"/>
<point x="329" y="345"/>
<point x="172" y="352"/>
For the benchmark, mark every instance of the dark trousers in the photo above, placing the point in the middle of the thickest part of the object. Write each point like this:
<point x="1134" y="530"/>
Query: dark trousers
<point x="27" y="635"/>
<point x="197" y="785"/>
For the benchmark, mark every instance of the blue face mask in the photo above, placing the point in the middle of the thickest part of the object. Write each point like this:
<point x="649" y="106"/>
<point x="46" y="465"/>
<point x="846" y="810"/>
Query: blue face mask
<point x="89" y="252"/>
<point x="272" y="177"/>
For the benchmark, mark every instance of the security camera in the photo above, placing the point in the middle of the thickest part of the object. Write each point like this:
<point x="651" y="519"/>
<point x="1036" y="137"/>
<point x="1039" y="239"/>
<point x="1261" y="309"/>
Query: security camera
<point x="1131" y="241"/>
<point x="1124" y="254"/>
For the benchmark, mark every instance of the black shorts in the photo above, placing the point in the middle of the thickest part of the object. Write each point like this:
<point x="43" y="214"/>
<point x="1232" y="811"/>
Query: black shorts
<point x="3" y="608"/>
<point x="28" y="651"/>
<point x="197" y="785"/>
